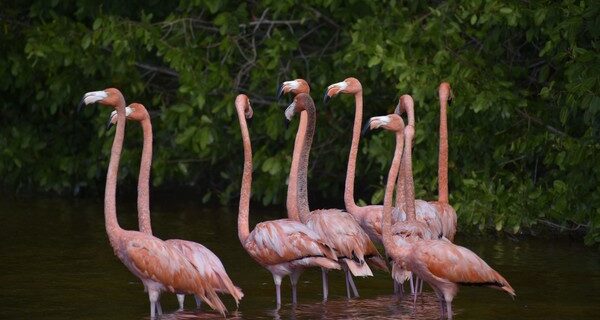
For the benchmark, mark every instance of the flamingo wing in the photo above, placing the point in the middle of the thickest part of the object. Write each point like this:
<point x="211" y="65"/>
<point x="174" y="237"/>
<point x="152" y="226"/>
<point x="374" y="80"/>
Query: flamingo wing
<point x="341" y="231"/>
<point x="459" y="265"/>
<point x="284" y="240"/>
<point x="151" y="257"/>
<point x="208" y="265"/>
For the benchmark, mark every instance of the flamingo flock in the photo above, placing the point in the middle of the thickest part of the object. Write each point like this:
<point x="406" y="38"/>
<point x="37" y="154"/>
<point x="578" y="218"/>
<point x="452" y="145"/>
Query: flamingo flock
<point x="417" y="235"/>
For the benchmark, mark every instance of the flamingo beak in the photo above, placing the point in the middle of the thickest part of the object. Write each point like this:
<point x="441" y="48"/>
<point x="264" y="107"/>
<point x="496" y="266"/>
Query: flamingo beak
<point x="92" y="97"/>
<point x="80" y="105"/>
<point x="249" y="122"/>
<point x="109" y="124"/>
<point x="112" y="119"/>
<point x="279" y="91"/>
<point x="366" y="128"/>
<point x="326" y="97"/>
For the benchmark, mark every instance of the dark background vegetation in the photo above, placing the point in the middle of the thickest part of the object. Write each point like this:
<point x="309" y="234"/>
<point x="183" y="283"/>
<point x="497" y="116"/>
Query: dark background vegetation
<point x="524" y="127"/>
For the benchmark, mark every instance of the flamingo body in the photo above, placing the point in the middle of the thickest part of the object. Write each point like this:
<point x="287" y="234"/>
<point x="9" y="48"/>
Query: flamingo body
<point x="341" y="231"/>
<point x="209" y="266"/>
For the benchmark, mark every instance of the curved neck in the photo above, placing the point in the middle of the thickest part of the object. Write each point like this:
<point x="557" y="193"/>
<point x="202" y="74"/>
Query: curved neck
<point x="292" y="192"/>
<point x="143" y="200"/>
<point x="443" y="154"/>
<point x="244" y="208"/>
<point x="110" y="194"/>
<point x="351" y="170"/>
<point x="389" y="244"/>
<point x="409" y="190"/>
<point x="302" y="199"/>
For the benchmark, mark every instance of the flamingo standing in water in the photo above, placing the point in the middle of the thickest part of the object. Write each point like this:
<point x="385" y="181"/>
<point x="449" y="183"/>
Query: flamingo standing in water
<point x="369" y="216"/>
<point x="443" y="210"/>
<point x="442" y="264"/>
<point x="339" y="229"/>
<point x="206" y="262"/>
<point x="284" y="247"/>
<point x="159" y="266"/>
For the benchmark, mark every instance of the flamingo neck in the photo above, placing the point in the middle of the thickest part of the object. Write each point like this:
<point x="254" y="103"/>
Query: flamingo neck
<point x="391" y="247"/>
<point x="309" y="130"/>
<point x="143" y="200"/>
<point x="400" y="188"/>
<point x="244" y="208"/>
<point x="409" y="190"/>
<point x="351" y="206"/>
<point x="443" y="154"/>
<point x="110" y="199"/>
<point x="292" y="192"/>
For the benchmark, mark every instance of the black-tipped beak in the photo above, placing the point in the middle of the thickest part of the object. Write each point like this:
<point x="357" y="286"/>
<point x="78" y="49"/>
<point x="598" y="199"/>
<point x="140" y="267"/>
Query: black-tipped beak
<point x="109" y="124"/>
<point x="80" y="105"/>
<point x="450" y="99"/>
<point x="366" y="128"/>
<point x="326" y="97"/>
<point x="286" y="123"/>
<point x="279" y="91"/>
<point x="249" y="121"/>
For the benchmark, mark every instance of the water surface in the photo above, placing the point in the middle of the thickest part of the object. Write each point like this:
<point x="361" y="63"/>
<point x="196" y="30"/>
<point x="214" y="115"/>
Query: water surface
<point x="58" y="265"/>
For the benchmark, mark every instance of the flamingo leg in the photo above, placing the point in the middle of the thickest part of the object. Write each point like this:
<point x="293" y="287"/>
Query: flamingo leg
<point x="352" y="285"/>
<point x="198" y="302"/>
<point x="347" y="284"/>
<point x="449" y="309"/>
<point x="325" y="284"/>
<point x="294" y="280"/>
<point x="159" y="308"/>
<point x="277" y="280"/>
<point x="412" y="285"/>
<point x="153" y="296"/>
<point x="181" y="300"/>
<point x="421" y="286"/>
<point x="395" y="287"/>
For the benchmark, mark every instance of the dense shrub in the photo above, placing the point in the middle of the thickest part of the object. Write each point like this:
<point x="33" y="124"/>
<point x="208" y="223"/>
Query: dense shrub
<point x="524" y="125"/>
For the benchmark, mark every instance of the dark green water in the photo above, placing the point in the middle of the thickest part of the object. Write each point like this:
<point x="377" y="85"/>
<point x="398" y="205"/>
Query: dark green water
<point x="57" y="264"/>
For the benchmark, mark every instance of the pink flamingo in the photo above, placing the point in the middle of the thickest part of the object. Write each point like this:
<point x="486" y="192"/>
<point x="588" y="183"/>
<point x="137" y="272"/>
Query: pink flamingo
<point x="284" y="247"/>
<point x="295" y="87"/>
<point x="369" y="216"/>
<point x="339" y="229"/>
<point x="443" y="210"/>
<point x="206" y="262"/>
<point x="156" y="264"/>
<point x="408" y="229"/>
<point x="442" y="264"/>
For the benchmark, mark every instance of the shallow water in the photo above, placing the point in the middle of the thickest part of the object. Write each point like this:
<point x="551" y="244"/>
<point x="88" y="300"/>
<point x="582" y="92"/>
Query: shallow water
<point x="58" y="265"/>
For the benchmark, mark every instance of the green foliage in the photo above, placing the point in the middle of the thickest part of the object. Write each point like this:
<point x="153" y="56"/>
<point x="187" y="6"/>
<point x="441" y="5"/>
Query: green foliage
<point x="524" y="125"/>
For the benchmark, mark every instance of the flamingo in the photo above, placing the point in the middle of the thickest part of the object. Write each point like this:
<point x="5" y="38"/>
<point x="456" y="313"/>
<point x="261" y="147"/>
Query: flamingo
<point x="443" y="210"/>
<point x="408" y="228"/>
<point x="284" y="246"/>
<point x="339" y="229"/>
<point x="295" y="87"/>
<point x="206" y="262"/>
<point x="368" y="216"/>
<point x="442" y="264"/>
<point x="159" y="266"/>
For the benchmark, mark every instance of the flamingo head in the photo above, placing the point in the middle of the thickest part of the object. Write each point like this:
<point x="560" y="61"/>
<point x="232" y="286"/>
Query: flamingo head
<point x="134" y="111"/>
<point x="405" y="103"/>
<point x="109" y="97"/>
<point x="242" y="103"/>
<point x="445" y="92"/>
<point x="391" y="122"/>
<point x="301" y="101"/>
<point x="349" y="85"/>
<point x="294" y="86"/>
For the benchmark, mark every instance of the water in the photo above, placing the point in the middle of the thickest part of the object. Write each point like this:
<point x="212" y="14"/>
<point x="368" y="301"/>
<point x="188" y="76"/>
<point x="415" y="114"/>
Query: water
<point x="57" y="264"/>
